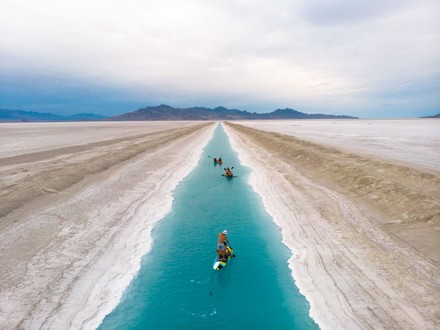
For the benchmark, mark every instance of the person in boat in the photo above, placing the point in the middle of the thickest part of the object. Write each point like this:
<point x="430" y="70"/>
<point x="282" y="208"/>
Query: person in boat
<point x="222" y="243"/>
<point x="228" y="172"/>
<point x="220" y="161"/>
<point x="215" y="161"/>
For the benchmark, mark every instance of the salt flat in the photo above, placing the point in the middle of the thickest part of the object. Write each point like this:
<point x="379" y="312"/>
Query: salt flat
<point x="362" y="221"/>
<point x="415" y="142"/>
<point x="24" y="138"/>
<point x="78" y="202"/>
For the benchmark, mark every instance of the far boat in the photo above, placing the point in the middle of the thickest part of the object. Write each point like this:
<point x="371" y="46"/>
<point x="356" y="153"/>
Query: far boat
<point x="217" y="161"/>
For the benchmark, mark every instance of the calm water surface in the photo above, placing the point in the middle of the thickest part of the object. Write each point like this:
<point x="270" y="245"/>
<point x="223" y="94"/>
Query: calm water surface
<point x="177" y="287"/>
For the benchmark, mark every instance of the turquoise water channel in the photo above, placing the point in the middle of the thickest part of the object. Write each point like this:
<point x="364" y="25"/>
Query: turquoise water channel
<point x="177" y="288"/>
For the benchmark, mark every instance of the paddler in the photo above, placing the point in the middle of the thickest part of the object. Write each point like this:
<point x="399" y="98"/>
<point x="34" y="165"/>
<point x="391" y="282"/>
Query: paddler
<point x="228" y="172"/>
<point x="220" y="161"/>
<point x="221" y="245"/>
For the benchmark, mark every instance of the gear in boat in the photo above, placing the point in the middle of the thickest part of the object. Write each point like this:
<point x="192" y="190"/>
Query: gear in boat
<point x="228" y="173"/>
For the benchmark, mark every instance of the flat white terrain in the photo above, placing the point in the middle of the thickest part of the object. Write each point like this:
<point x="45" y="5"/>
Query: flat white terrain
<point x="358" y="203"/>
<point x="415" y="142"/>
<point x="23" y="138"/>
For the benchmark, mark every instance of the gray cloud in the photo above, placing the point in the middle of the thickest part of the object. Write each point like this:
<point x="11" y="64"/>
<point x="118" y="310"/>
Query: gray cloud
<point x="316" y="55"/>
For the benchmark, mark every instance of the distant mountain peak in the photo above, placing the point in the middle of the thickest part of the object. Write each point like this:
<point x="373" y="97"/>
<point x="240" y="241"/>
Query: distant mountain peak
<point x="163" y="106"/>
<point x="286" y="110"/>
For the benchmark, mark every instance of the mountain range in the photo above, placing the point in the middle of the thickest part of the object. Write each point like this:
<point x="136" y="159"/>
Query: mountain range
<point x="24" y="116"/>
<point x="166" y="112"/>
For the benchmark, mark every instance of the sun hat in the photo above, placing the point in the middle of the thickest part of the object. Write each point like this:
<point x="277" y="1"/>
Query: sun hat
<point x="225" y="232"/>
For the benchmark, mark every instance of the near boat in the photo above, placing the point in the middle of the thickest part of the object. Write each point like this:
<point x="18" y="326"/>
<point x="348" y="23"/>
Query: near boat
<point x="220" y="264"/>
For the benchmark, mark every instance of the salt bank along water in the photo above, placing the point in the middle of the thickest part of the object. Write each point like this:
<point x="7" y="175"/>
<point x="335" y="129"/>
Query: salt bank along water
<point x="177" y="288"/>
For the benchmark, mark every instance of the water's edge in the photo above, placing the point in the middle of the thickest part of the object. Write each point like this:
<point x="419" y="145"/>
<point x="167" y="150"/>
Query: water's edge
<point x="171" y="290"/>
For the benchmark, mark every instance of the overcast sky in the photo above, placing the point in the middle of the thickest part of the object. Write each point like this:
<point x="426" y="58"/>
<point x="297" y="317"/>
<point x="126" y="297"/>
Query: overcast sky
<point x="372" y="58"/>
